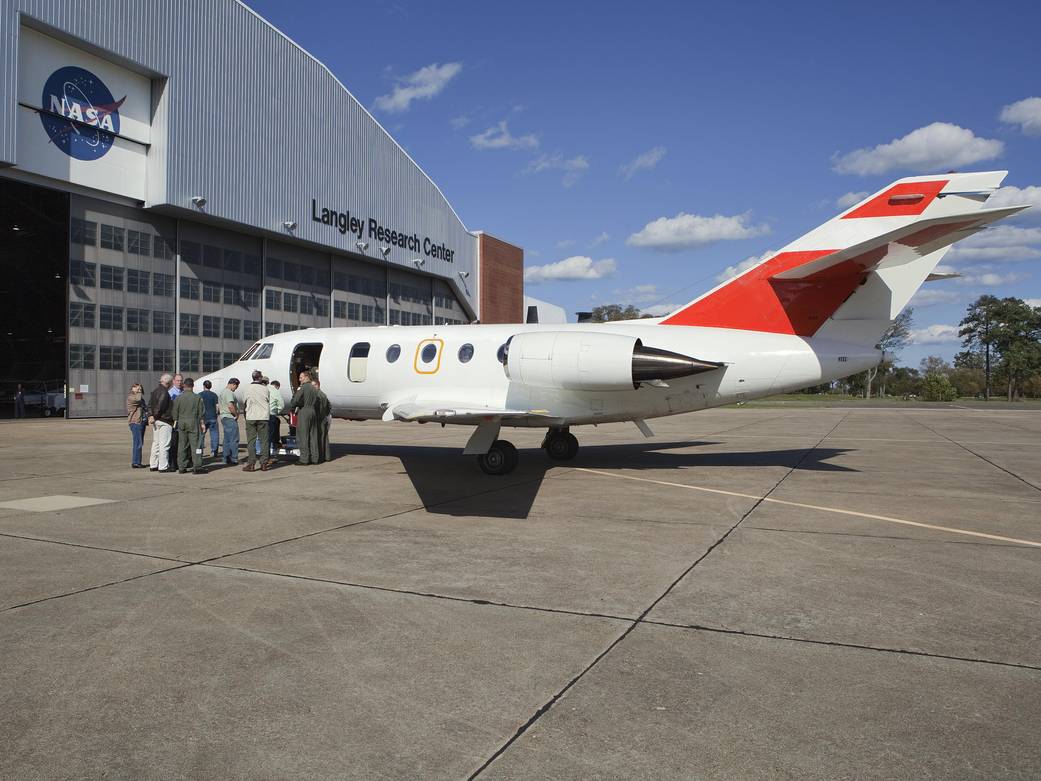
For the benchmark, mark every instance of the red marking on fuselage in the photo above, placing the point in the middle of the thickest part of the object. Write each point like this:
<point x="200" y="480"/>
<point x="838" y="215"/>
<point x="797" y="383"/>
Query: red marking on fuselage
<point x="884" y="205"/>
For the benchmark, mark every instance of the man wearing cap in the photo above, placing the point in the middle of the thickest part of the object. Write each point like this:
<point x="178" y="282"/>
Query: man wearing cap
<point x="187" y="412"/>
<point x="258" y="409"/>
<point x="305" y="404"/>
<point x="228" y="410"/>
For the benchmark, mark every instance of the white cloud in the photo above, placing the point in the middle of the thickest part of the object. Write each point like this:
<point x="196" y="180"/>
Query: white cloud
<point x="1017" y="196"/>
<point x="499" y="137"/>
<point x="660" y="310"/>
<point x="1000" y="244"/>
<point x="983" y="276"/>
<point x="1032" y="301"/>
<point x="565" y="243"/>
<point x="640" y="294"/>
<point x="929" y="296"/>
<point x="935" y="334"/>
<point x="1026" y="113"/>
<point x="685" y="231"/>
<point x="421" y="85"/>
<point x="458" y="123"/>
<point x="603" y="237"/>
<point x="644" y="162"/>
<point x="573" y="167"/>
<point x="570" y="269"/>
<point x="740" y="268"/>
<point x="940" y="145"/>
<point x="994" y="254"/>
<point x="849" y="199"/>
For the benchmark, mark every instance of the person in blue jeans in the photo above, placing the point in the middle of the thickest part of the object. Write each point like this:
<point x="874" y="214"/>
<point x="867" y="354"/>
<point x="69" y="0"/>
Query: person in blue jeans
<point x="209" y="416"/>
<point x="228" y="410"/>
<point x="137" y="413"/>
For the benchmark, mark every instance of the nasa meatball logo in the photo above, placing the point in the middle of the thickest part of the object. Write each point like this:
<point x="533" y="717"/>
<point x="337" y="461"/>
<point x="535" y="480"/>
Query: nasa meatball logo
<point x="79" y="113"/>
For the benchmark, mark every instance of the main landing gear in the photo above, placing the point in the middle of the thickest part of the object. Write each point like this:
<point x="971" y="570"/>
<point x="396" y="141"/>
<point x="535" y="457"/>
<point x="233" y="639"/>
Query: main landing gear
<point x="501" y="458"/>
<point x="560" y="444"/>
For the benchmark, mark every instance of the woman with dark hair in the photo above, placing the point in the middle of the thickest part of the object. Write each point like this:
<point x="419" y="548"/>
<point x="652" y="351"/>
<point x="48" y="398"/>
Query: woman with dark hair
<point x="136" y="415"/>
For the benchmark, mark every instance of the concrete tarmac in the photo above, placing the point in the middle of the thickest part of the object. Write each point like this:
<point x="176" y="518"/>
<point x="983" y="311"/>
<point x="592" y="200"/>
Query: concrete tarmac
<point x="798" y="592"/>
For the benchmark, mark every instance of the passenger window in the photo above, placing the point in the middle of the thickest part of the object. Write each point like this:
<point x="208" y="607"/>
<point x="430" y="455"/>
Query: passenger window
<point x="393" y="353"/>
<point x="429" y="353"/>
<point x="249" y="352"/>
<point x="466" y="352"/>
<point x="358" y="362"/>
<point x="264" y="352"/>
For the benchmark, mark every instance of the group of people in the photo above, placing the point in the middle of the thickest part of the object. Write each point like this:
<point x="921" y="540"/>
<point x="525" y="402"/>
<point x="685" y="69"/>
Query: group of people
<point x="180" y="418"/>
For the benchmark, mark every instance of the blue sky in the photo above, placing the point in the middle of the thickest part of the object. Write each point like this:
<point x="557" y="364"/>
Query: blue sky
<point x="636" y="151"/>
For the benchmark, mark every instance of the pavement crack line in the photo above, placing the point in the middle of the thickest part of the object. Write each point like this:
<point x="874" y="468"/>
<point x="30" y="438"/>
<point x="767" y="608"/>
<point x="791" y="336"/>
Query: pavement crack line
<point x="839" y="644"/>
<point x="94" y="588"/>
<point x="548" y="705"/>
<point x="973" y="452"/>
<point x="90" y="547"/>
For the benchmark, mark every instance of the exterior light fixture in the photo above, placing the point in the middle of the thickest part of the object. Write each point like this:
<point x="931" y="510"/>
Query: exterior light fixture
<point x="418" y="262"/>
<point x="199" y="201"/>
<point x="289" y="225"/>
<point x="384" y="251"/>
<point x="57" y="275"/>
<point x="362" y="245"/>
<point x="464" y="274"/>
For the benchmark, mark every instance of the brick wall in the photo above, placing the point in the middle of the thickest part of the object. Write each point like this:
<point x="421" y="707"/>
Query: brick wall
<point x="502" y="281"/>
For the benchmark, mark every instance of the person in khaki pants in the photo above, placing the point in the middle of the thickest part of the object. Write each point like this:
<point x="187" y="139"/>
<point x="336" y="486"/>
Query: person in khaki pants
<point x="258" y="406"/>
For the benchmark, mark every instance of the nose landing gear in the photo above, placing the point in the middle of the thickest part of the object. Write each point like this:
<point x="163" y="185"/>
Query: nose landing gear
<point x="560" y="444"/>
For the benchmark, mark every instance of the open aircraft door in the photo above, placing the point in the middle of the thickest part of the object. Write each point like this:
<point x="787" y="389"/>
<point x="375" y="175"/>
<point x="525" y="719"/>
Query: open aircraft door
<point x="305" y="356"/>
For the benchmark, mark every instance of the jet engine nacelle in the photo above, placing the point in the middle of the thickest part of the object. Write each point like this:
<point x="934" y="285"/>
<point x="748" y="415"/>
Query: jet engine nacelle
<point x="589" y="361"/>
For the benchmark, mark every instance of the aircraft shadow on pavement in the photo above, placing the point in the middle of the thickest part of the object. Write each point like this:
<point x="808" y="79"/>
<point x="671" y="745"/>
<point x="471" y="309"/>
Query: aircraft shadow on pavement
<point x="449" y="483"/>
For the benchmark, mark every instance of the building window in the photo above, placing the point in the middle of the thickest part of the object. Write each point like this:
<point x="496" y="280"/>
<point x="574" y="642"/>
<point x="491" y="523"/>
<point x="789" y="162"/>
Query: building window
<point x="162" y="322"/>
<point x="306" y="305"/>
<point x="111" y="278"/>
<point x="395" y="317"/>
<point x="83" y="274"/>
<point x="190" y="288"/>
<point x="210" y="361"/>
<point x="250" y="330"/>
<point x="232" y="295"/>
<point x="250" y="297"/>
<point x="321" y="307"/>
<point x="377" y="313"/>
<point x="81" y="315"/>
<point x="189" y="324"/>
<point x="189" y="361"/>
<point x="211" y="256"/>
<point x="162" y="360"/>
<point x="251" y="264"/>
<point x="366" y="314"/>
<point x="306" y="275"/>
<point x="322" y="278"/>
<point x="111" y="237"/>
<point x="290" y="272"/>
<point x="138" y="281"/>
<point x="163" y="249"/>
<point x="110" y="358"/>
<point x="137" y="359"/>
<point x="83" y="232"/>
<point x="353" y="311"/>
<point x="274" y="268"/>
<point x="232" y="328"/>
<point x="139" y="243"/>
<point x="111" y="318"/>
<point x="406" y="318"/>
<point x="81" y="356"/>
<point x="211" y="292"/>
<point x="290" y="302"/>
<point x="137" y="320"/>
<point x="230" y="358"/>
<point x="211" y="326"/>
<point x="191" y="252"/>
<point x="273" y="299"/>
<point x="232" y="260"/>
<point x="162" y="284"/>
<point x="340" y="310"/>
<point x="272" y="328"/>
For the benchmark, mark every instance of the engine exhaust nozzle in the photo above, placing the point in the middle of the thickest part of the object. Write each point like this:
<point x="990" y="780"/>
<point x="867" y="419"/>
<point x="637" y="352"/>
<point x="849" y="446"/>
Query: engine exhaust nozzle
<point x="650" y="363"/>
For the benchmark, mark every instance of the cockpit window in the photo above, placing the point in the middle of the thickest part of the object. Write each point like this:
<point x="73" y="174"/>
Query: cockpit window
<point x="249" y="352"/>
<point x="264" y="351"/>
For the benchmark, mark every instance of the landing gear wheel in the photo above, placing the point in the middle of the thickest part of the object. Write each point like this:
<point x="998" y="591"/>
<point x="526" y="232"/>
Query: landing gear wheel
<point x="501" y="458"/>
<point x="561" y="445"/>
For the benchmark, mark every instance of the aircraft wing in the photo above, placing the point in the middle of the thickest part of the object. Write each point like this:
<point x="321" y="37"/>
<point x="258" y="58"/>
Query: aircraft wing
<point x="466" y="413"/>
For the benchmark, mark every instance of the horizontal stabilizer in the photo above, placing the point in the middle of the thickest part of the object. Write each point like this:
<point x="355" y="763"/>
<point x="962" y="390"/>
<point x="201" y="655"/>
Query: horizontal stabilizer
<point x="938" y="277"/>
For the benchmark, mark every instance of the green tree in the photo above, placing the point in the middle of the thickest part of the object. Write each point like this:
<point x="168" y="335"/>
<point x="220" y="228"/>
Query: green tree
<point x="1015" y="335"/>
<point x="977" y="333"/>
<point x="893" y="339"/>
<point x="610" y="312"/>
<point x="936" y="387"/>
<point x="905" y="381"/>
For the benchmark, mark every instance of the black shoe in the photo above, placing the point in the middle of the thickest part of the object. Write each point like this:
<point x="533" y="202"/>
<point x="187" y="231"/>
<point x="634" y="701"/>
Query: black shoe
<point x="166" y="471"/>
<point x="153" y="469"/>
<point x="182" y="471"/>
<point x="199" y="471"/>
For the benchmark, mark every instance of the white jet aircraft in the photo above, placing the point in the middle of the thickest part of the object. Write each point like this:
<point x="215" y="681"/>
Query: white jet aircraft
<point x="811" y="313"/>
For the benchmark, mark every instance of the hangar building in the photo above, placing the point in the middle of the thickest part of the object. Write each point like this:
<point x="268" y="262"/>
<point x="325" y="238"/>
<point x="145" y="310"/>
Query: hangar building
<point x="178" y="179"/>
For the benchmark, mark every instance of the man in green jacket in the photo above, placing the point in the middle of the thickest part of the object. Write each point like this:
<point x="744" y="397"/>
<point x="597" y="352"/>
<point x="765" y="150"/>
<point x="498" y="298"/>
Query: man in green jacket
<point x="325" y="410"/>
<point x="305" y="404"/>
<point x="188" y="411"/>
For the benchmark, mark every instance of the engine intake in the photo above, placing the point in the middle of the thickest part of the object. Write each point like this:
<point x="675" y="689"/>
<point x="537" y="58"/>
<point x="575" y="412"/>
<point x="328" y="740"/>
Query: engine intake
<point x="589" y="361"/>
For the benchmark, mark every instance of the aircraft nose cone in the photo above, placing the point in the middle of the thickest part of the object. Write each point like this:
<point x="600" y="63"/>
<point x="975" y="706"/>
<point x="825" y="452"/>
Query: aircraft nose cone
<point x="650" y="363"/>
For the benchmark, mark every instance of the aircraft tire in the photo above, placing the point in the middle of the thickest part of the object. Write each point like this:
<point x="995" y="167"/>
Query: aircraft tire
<point x="501" y="458"/>
<point x="561" y="445"/>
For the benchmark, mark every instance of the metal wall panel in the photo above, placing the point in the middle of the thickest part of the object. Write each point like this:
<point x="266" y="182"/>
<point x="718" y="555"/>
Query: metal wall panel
<point x="247" y="119"/>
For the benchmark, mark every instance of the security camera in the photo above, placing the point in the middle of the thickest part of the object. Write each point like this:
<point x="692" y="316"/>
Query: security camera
<point x="199" y="201"/>
<point x="464" y="274"/>
<point x="384" y="251"/>
<point x="289" y="225"/>
<point x="362" y="245"/>
<point x="418" y="262"/>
